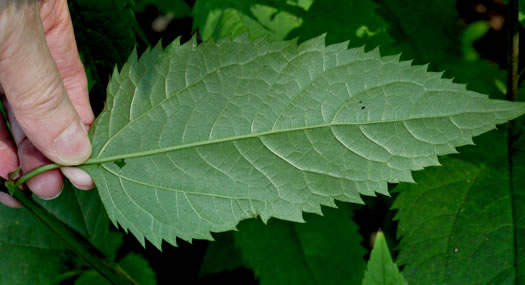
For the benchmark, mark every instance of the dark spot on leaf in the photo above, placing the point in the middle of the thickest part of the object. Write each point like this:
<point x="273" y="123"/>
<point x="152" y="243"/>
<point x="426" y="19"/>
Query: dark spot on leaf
<point x="362" y="108"/>
<point x="120" y="163"/>
<point x="360" y="102"/>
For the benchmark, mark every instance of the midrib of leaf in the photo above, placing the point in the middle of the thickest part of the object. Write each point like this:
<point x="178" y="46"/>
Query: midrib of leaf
<point x="100" y="160"/>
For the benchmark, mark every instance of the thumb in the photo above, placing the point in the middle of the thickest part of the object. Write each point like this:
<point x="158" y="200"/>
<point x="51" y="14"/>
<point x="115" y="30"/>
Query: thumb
<point x="34" y="88"/>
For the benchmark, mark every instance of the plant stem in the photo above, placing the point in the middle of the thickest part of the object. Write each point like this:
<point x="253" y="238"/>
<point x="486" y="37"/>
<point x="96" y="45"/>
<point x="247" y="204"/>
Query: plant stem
<point x="77" y="243"/>
<point x="512" y="24"/>
<point x="513" y="50"/>
<point x="39" y="170"/>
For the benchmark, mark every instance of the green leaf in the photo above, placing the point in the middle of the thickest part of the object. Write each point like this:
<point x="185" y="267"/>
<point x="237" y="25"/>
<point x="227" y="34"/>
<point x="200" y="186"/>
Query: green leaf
<point x="222" y="18"/>
<point x="461" y="228"/>
<point x="137" y="267"/>
<point x="381" y="269"/>
<point x="324" y="250"/>
<point x="32" y="254"/>
<point x="473" y="32"/>
<point x="221" y="132"/>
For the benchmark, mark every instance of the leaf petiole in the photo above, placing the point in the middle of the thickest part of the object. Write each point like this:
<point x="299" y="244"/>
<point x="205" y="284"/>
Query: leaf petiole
<point x="39" y="170"/>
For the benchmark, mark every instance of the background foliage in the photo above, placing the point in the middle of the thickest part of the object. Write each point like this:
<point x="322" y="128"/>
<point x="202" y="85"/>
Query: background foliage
<point x="462" y="223"/>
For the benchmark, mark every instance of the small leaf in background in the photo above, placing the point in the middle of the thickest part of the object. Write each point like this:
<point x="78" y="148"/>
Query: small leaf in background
<point x="269" y="129"/>
<point x="10" y="185"/>
<point x="473" y="32"/>
<point x="381" y="269"/>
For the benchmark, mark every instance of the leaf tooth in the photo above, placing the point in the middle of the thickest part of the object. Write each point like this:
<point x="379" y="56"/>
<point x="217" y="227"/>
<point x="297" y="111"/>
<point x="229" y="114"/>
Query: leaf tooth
<point x="173" y="46"/>
<point x="391" y="58"/>
<point x="374" y="52"/>
<point x="343" y="46"/>
<point x="314" y="44"/>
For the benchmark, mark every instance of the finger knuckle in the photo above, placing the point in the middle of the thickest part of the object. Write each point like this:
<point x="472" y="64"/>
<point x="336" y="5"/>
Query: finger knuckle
<point x="41" y="98"/>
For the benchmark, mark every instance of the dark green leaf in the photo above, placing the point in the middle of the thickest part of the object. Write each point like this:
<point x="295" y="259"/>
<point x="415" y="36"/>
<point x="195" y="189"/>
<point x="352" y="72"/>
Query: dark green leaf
<point x="456" y="224"/>
<point x="324" y="250"/>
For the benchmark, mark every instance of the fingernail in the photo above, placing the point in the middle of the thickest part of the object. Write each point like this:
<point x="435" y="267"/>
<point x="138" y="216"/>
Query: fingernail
<point x="72" y="145"/>
<point x="78" y="177"/>
<point x="54" y="197"/>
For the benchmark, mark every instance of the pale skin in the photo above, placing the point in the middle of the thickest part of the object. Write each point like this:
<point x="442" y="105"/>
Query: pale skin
<point x="43" y="87"/>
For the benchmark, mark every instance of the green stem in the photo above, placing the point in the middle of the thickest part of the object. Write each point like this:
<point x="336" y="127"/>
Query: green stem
<point x="39" y="170"/>
<point x="77" y="243"/>
<point x="512" y="24"/>
<point x="513" y="50"/>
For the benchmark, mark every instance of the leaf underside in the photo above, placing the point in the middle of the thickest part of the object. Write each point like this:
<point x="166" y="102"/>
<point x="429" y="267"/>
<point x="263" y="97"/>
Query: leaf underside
<point x="215" y="133"/>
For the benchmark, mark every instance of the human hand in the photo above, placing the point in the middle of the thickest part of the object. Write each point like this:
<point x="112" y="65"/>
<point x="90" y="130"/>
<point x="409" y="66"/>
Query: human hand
<point x="46" y="96"/>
